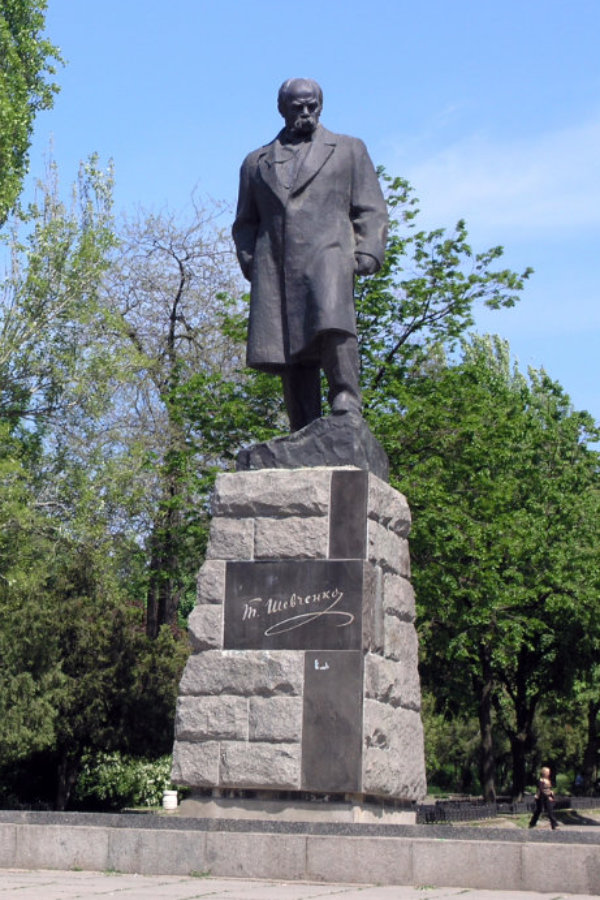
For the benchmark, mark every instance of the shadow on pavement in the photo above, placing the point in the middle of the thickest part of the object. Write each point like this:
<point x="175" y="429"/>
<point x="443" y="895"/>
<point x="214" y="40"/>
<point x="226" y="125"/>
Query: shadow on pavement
<point x="573" y="817"/>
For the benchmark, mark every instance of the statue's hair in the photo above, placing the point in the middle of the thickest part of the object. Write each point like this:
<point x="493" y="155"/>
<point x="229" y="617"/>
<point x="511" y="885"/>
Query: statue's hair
<point x="284" y="89"/>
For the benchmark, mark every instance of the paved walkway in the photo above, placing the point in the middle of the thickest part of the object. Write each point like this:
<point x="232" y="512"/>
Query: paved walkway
<point x="52" y="885"/>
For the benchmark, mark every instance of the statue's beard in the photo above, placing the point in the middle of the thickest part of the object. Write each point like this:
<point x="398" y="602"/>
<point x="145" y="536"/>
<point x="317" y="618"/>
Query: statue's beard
<point x="304" y="126"/>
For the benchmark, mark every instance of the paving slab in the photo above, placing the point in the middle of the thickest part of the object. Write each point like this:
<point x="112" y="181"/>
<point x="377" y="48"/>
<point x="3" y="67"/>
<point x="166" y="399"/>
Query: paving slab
<point x="18" y="884"/>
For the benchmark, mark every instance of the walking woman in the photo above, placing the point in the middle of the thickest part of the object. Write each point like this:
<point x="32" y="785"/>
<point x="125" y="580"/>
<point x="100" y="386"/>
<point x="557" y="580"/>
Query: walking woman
<point x="544" y="800"/>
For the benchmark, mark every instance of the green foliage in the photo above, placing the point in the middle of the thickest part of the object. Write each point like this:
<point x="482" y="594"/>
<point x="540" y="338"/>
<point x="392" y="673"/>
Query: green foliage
<point x="77" y="669"/>
<point x="561" y="733"/>
<point x="112" y="781"/>
<point x="25" y="61"/>
<point x="224" y="415"/>
<point x="53" y="340"/>
<point x="503" y="489"/>
<point x="31" y="680"/>
<point x="423" y="297"/>
<point x="451" y="748"/>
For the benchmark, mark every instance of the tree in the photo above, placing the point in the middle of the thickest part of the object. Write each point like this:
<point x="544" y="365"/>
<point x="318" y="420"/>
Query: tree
<point x="52" y="325"/>
<point x="423" y="297"/>
<point x="167" y="293"/>
<point x="30" y="676"/>
<point x="77" y="671"/>
<point x="503" y="489"/>
<point x="25" y="61"/>
<point x="119" y="687"/>
<point x="76" y="668"/>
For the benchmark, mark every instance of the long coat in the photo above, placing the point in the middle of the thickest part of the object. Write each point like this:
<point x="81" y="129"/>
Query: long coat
<point x="296" y="245"/>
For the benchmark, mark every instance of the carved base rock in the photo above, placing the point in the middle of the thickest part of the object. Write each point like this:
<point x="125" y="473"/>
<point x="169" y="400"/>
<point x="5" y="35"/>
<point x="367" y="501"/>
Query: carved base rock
<point x="303" y="675"/>
<point x="343" y="440"/>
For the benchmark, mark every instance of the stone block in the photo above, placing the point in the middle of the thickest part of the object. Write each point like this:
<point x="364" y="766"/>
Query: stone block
<point x="291" y="538"/>
<point x="143" y="850"/>
<point x="388" y="507"/>
<point x="205" y="627"/>
<point x="196" y="764"/>
<point x="211" y="582"/>
<point x="544" y="870"/>
<point x="387" y="550"/>
<point x="481" y="864"/>
<point x="400" y="642"/>
<point x="398" y="597"/>
<point x="392" y="683"/>
<point x="263" y="856"/>
<point x="393" y="756"/>
<point x="60" y="847"/>
<point x="360" y="860"/>
<point x="244" y="673"/>
<point x="260" y="765"/>
<point x="231" y="539"/>
<point x="273" y="492"/>
<point x="211" y="718"/>
<point x="275" y="719"/>
<point x="8" y="845"/>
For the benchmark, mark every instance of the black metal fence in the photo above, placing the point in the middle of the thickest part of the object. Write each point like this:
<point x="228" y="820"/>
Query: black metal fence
<point x="448" y="811"/>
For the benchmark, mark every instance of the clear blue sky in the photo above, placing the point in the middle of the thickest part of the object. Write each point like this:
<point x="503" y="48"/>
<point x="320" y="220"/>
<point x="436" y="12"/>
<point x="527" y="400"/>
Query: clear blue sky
<point x="491" y="109"/>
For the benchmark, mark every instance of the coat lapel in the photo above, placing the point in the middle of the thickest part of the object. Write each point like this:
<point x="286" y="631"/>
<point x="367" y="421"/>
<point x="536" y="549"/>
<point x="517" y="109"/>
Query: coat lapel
<point x="267" y="168"/>
<point x="321" y="148"/>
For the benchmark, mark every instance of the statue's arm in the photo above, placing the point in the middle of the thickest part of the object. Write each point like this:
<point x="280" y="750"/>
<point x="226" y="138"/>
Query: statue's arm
<point x="368" y="212"/>
<point x="245" y="226"/>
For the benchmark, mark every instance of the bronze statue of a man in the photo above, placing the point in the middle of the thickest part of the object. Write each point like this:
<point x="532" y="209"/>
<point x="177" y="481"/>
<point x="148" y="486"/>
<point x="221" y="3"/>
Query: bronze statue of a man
<point x="310" y="216"/>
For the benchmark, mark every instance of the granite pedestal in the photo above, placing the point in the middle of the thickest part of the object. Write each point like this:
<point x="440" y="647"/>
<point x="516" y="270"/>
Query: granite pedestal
<point x="303" y="676"/>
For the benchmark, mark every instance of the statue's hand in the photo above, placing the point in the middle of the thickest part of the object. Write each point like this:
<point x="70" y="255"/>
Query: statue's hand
<point x="365" y="264"/>
<point x="246" y="265"/>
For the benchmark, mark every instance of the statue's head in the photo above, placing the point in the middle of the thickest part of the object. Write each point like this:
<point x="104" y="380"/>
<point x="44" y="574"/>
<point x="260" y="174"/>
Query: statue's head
<point x="300" y="101"/>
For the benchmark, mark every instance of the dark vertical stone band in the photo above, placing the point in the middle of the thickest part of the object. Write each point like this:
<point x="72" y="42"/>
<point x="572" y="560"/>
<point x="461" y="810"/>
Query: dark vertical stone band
<point x="332" y="721"/>
<point x="348" y="514"/>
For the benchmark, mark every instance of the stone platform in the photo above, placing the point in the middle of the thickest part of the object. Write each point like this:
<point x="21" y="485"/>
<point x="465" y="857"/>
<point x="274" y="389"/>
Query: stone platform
<point x="304" y="675"/>
<point x="563" y="862"/>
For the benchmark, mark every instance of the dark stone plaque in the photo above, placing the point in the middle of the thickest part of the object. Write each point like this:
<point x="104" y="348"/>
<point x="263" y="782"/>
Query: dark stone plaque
<point x="332" y="722"/>
<point x="348" y="524"/>
<point x="293" y="605"/>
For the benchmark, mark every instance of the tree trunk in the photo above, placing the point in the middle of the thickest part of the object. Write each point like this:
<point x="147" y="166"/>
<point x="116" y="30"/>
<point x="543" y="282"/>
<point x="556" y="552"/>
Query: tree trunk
<point x="518" y="743"/>
<point x="488" y="768"/>
<point x="590" y="756"/>
<point x="153" y="589"/>
<point x="162" y="599"/>
<point x="66" y="778"/>
<point x="521" y="739"/>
